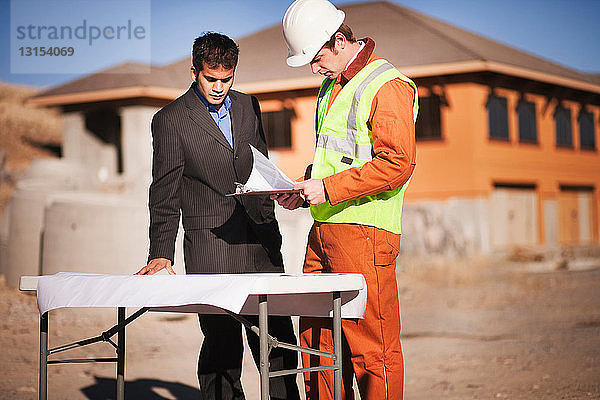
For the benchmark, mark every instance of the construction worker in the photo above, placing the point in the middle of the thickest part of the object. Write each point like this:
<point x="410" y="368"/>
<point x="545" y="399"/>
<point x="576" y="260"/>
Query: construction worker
<point x="364" y="158"/>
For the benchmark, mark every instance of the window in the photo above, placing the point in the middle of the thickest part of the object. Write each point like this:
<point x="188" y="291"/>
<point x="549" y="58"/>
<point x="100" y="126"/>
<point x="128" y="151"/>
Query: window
<point x="587" y="134"/>
<point x="278" y="128"/>
<point x="105" y="124"/>
<point x="497" y="117"/>
<point x="527" y="122"/>
<point x="428" y="125"/>
<point x="562" y="122"/>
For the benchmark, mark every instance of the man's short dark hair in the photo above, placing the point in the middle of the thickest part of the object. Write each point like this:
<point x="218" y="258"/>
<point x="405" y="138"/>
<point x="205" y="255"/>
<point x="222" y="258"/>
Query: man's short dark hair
<point x="344" y="30"/>
<point x="215" y="50"/>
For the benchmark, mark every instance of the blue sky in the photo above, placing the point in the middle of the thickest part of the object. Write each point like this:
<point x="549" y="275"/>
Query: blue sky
<point x="563" y="31"/>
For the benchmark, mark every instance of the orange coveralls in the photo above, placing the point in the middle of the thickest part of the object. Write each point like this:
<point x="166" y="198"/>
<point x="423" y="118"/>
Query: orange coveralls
<point x="371" y="345"/>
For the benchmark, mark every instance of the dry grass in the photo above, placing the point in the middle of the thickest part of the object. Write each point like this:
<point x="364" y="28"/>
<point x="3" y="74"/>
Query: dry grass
<point x="26" y="133"/>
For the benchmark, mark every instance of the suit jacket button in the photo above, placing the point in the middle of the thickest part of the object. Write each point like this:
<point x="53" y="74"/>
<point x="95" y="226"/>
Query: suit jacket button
<point x="236" y="157"/>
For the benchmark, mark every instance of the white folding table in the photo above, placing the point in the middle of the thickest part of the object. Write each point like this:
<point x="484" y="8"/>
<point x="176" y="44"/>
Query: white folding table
<point x="320" y="295"/>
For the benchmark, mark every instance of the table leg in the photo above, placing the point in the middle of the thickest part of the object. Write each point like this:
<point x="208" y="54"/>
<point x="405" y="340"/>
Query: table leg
<point x="121" y="355"/>
<point x="43" y="379"/>
<point x="263" y="326"/>
<point x="337" y="344"/>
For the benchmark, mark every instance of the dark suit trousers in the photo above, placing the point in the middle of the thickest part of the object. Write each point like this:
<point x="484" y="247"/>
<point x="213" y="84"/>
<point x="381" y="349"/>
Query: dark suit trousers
<point x="220" y="361"/>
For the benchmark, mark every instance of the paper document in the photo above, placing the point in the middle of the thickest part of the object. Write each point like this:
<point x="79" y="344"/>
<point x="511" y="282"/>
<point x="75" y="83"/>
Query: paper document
<point x="265" y="177"/>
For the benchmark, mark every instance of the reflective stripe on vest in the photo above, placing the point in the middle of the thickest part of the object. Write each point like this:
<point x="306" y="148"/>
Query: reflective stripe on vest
<point x="344" y="141"/>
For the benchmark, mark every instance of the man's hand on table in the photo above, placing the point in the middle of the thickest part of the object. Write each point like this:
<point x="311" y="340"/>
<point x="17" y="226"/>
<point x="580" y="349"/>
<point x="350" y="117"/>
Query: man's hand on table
<point x="156" y="265"/>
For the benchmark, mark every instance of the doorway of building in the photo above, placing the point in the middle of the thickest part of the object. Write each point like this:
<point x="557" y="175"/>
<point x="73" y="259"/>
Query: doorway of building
<point x="575" y="204"/>
<point x="513" y="215"/>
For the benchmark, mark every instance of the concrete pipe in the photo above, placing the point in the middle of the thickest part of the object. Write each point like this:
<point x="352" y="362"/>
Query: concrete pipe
<point x="25" y="221"/>
<point x="96" y="232"/>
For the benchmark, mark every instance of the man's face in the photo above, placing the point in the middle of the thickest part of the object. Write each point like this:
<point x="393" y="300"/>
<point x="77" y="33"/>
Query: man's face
<point x="213" y="83"/>
<point x="328" y="63"/>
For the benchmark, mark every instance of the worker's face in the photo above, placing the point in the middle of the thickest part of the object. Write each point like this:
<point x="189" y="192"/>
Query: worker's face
<point x="213" y="83"/>
<point x="328" y="62"/>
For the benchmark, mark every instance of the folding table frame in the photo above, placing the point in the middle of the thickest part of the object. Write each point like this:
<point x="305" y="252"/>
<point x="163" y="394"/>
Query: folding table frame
<point x="266" y="343"/>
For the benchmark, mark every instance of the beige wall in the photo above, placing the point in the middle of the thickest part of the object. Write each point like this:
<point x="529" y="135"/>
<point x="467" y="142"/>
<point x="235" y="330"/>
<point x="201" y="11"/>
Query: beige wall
<point x="136" y="140"/>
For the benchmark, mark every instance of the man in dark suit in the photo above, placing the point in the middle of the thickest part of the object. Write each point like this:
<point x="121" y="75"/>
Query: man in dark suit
<point x="201" y="147"/>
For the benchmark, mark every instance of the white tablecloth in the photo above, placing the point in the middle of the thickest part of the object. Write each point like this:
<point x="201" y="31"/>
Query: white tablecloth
<point x="303" y="294"/>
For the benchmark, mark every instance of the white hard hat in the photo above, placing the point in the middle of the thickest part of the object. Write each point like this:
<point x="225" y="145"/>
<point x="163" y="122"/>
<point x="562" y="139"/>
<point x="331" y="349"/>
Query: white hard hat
<point x="307" y="26"/>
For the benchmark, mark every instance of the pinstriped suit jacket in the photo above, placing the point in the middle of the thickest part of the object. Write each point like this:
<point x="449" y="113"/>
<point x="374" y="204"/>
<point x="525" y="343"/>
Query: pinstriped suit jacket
<point x="193" y="168"/>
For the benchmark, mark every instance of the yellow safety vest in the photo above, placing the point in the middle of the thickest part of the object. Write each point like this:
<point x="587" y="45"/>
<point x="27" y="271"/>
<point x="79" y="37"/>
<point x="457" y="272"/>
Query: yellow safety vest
<point x="345" y="141"/>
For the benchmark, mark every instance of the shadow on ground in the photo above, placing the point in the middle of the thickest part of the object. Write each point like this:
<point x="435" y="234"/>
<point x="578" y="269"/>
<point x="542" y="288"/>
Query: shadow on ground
<point x="148" y="389"/>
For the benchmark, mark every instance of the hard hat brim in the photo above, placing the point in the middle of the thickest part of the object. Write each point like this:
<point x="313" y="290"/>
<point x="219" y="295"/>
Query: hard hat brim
<point x="298" y="60"/>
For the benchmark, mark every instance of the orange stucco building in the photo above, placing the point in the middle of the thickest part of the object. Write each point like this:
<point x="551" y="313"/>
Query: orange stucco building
<point x="539" y="190"/>
<point x="507" y="141"/>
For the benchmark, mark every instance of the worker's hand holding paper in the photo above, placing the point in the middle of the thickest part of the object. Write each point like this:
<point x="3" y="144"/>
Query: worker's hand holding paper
<point x="265" y="178"/>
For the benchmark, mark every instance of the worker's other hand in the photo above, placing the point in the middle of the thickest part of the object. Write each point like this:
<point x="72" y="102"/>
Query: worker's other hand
<point x="289" y="201"/>
<point x="313" y="191"/>
<point x="155" y="265"/>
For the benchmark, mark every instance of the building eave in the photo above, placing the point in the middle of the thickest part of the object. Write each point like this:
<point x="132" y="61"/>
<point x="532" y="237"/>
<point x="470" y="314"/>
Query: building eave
<point x="423" y="71"/>
<point x="95" y="96"/>
<point x="542" y="77"/>
<point x="280" y="85"/>
<point x="313" y="81"/>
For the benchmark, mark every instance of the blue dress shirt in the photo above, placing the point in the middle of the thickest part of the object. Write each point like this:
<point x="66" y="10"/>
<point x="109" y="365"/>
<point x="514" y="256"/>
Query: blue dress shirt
<point x="222" y="117"/>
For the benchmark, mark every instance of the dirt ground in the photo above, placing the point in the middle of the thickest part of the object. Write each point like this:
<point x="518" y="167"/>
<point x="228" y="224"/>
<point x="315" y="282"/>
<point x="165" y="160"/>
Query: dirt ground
<point x="477" y="330"/>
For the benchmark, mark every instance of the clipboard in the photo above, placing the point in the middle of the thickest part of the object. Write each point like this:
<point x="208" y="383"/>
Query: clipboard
<point x="253" y="192"/>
